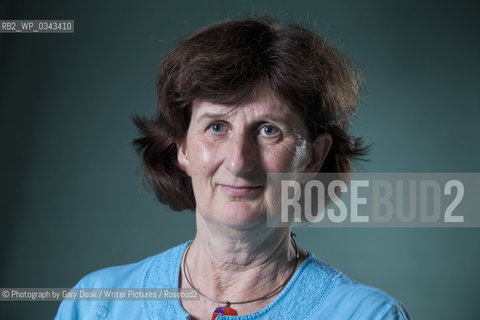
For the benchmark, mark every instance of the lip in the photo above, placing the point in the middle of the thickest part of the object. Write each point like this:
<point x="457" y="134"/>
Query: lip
<point x="240" y="191"/>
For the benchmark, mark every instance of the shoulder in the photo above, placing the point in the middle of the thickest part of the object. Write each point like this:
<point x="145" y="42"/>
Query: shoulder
<point x="157" y="271"/>
<point x="345" y="298"/>
<point x="133" y="275"/>
<point x="116" y="277"/>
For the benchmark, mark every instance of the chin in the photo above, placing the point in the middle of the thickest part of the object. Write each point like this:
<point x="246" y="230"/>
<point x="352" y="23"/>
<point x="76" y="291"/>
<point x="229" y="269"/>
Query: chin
<point x="242" y="216"/>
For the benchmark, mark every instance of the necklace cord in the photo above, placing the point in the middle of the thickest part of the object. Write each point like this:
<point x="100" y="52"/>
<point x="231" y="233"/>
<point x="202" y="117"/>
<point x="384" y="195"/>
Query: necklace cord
<point x="228" y="303"/>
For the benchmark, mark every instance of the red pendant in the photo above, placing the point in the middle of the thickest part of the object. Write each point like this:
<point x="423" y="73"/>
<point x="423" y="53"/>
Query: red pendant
<point x="227" y="311"/>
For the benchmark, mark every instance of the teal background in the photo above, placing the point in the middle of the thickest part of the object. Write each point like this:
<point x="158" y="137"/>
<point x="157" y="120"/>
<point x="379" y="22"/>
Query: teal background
<point x="70" y="196"/>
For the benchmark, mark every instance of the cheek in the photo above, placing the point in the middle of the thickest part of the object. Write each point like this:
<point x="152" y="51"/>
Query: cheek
<point x="203" y="156"/>
<point x="286" y="158"/>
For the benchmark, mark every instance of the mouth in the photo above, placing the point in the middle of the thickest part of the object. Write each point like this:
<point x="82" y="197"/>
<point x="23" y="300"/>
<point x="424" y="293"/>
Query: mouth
<point x="240" y="191"/>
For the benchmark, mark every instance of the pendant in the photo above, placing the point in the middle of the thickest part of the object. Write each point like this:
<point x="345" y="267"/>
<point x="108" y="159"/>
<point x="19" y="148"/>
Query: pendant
<point x="225" y="310"/>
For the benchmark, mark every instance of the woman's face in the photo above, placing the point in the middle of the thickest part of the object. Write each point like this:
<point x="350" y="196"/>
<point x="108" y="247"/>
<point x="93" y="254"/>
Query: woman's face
<point x="229" y="150"/>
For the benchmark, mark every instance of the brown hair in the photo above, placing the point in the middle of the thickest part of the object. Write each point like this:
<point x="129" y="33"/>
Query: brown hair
<point x="223" y="63"/>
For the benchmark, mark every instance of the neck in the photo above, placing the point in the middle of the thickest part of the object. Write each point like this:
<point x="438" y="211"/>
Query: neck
<point x="237" y="250"/>
<point x="229" y="264"/>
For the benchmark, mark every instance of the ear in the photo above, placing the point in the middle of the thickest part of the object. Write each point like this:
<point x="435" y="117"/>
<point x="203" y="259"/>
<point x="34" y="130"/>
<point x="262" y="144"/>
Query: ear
<point x="182" y="155"/>
<point x="319" y="151"/>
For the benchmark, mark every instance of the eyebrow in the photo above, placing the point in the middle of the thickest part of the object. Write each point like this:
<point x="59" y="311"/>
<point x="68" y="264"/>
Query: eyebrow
<point x="213" y="115"/>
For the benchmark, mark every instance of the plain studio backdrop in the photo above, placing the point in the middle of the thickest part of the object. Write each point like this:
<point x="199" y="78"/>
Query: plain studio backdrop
<point x="71" y="201"/>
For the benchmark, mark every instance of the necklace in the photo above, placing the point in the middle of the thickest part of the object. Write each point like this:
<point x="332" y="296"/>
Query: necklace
<point x="226" y="310"/>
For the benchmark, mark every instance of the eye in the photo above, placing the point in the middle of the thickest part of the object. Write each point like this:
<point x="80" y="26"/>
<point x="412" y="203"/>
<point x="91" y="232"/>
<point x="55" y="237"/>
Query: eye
<point x="269" y="131"/>
<point x="217" y="127"/>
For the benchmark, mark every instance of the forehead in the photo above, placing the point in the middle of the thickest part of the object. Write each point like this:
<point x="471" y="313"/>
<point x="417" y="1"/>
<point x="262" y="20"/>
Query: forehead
<point x="263" y="102"/>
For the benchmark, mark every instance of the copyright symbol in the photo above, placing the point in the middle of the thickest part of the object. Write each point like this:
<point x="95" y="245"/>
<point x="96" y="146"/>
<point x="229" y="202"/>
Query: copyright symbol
<point x="5" y="293"/>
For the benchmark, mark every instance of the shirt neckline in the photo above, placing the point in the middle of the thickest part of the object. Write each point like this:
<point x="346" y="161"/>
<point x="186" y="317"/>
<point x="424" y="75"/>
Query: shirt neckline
<point x="273" y="304"/>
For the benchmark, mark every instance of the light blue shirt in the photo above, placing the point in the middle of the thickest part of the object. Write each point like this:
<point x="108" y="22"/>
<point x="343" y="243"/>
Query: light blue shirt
<point x="316" y="291"/>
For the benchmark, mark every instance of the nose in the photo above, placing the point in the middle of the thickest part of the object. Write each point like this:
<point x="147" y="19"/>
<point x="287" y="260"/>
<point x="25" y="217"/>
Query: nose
<point x="241" y="155"/>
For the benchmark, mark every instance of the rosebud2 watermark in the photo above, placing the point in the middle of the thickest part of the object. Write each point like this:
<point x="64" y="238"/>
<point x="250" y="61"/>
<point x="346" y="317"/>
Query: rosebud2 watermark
<point x="375" y="200"/>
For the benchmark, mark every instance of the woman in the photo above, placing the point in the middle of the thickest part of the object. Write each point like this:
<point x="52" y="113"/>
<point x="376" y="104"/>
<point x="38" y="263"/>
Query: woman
<point x="238" y="100"/>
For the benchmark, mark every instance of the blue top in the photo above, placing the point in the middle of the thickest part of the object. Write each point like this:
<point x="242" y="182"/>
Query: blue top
<point x="316" y="291"/>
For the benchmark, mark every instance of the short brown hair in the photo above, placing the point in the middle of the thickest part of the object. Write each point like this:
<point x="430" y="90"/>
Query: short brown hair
<point x="223" y="63"/>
